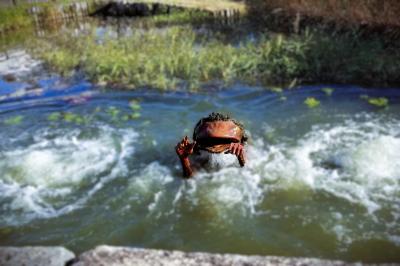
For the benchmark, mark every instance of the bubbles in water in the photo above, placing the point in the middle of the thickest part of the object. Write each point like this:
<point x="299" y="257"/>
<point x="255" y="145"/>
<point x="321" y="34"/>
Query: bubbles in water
<point x="352" y="166"/>
<point x="43" y="179"/>
<point x="352" y="161"/>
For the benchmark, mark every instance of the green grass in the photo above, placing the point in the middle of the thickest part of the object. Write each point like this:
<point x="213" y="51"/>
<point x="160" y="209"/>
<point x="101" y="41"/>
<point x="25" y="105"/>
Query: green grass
<point x="13" y="18"/>
<point x="17" y="17"/>
<point x="178" y="17"/>
<point x="179" y="57"/>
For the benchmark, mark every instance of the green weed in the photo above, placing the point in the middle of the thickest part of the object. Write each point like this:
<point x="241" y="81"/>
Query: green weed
<point x="15" y="120"/>
<point x="54" y="116"/>
<point x="328" y="91"/>
<point x="379" y="102"/>
<point x="311" y="102"/>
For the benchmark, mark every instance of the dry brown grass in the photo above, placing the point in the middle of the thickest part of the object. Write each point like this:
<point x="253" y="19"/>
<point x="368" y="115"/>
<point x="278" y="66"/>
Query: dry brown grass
<point x="210" y="5"/>
<point x="372" y="12"/>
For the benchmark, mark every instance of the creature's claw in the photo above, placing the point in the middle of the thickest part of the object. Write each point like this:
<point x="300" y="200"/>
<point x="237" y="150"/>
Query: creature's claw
<point x="238" y="150"/>
<point x="185" y="148"/>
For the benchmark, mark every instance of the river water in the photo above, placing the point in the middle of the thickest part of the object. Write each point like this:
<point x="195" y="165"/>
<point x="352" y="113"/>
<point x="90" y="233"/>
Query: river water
<point x="82" y="166"/>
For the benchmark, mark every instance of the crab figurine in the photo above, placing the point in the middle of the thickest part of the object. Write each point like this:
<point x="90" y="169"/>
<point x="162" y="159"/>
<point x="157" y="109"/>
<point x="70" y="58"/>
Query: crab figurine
<point x="216" y="133"/>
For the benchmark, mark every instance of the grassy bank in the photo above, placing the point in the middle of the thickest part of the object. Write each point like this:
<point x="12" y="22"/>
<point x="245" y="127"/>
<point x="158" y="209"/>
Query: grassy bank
<point x="177" y="56"/>
<point x="14" y="18"/>
<point x="19" y="17"/>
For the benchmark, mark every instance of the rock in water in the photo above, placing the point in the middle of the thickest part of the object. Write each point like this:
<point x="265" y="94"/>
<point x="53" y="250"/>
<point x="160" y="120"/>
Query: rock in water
<point x="35" y="256"/>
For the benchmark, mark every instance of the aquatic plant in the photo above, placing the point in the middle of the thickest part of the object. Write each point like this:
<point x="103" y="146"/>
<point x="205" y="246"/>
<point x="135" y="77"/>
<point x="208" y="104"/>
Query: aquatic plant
<point x="15" y="120"/>
<point x="276" y="89"/>
<point x="134" y="115"/>
<point x="328" y="91"/>
<point x="375" y="101"/>
<point x="73" y="118"/>
<point x="134" y="105"/>
<point x="117" y="114"/>
<point x="311" y="102"/>
<point x="113" y="112"/>
<point x="54" y="116"/>
<point x="379" y="102"/>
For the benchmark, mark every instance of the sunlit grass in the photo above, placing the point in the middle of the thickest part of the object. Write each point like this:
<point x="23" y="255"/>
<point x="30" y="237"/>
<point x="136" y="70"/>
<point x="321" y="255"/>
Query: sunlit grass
<point x="178" y="57"/>
<point x="14" y="18"/>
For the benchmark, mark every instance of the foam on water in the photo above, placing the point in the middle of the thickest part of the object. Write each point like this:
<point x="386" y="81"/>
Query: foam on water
<point x="43" y="179"/>
<point x="356" y="160"/>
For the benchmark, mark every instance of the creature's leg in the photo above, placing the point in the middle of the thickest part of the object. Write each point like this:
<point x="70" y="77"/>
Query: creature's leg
<point x="184" y="149"/>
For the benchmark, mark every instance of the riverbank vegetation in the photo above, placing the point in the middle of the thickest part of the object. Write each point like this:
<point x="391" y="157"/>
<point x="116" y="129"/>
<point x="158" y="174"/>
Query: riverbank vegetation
<point x="25" y="15"/>
<point x="371" y="12"/>
<point x="180" y="56"/>
<point x="165" y="54"/>
<point x="14" y="18"/>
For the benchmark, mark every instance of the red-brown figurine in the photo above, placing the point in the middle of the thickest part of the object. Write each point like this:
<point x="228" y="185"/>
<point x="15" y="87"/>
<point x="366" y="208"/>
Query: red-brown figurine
<point x="216" y="133"/>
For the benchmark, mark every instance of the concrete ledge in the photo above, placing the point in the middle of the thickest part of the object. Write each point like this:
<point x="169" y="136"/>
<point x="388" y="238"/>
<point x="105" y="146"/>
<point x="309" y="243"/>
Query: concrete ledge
<point x="35" y="256"/>
<point x="121" y="256"/>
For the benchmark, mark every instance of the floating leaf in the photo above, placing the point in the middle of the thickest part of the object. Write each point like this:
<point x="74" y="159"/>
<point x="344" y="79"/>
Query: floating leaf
<point x="54" y="116"/>
<point x="15" y="120"/>
<point x="79" y="119"/>
<point x="276" y="89"/>
<point x="328" y="91"/>
<point x="135" y="115"/>
<point x="311" y="102"/>
<point x="69" y="117"/>
<point x="134" y="105"/>
<point x="379" y="102"/>
<point x="113" y="111"/>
